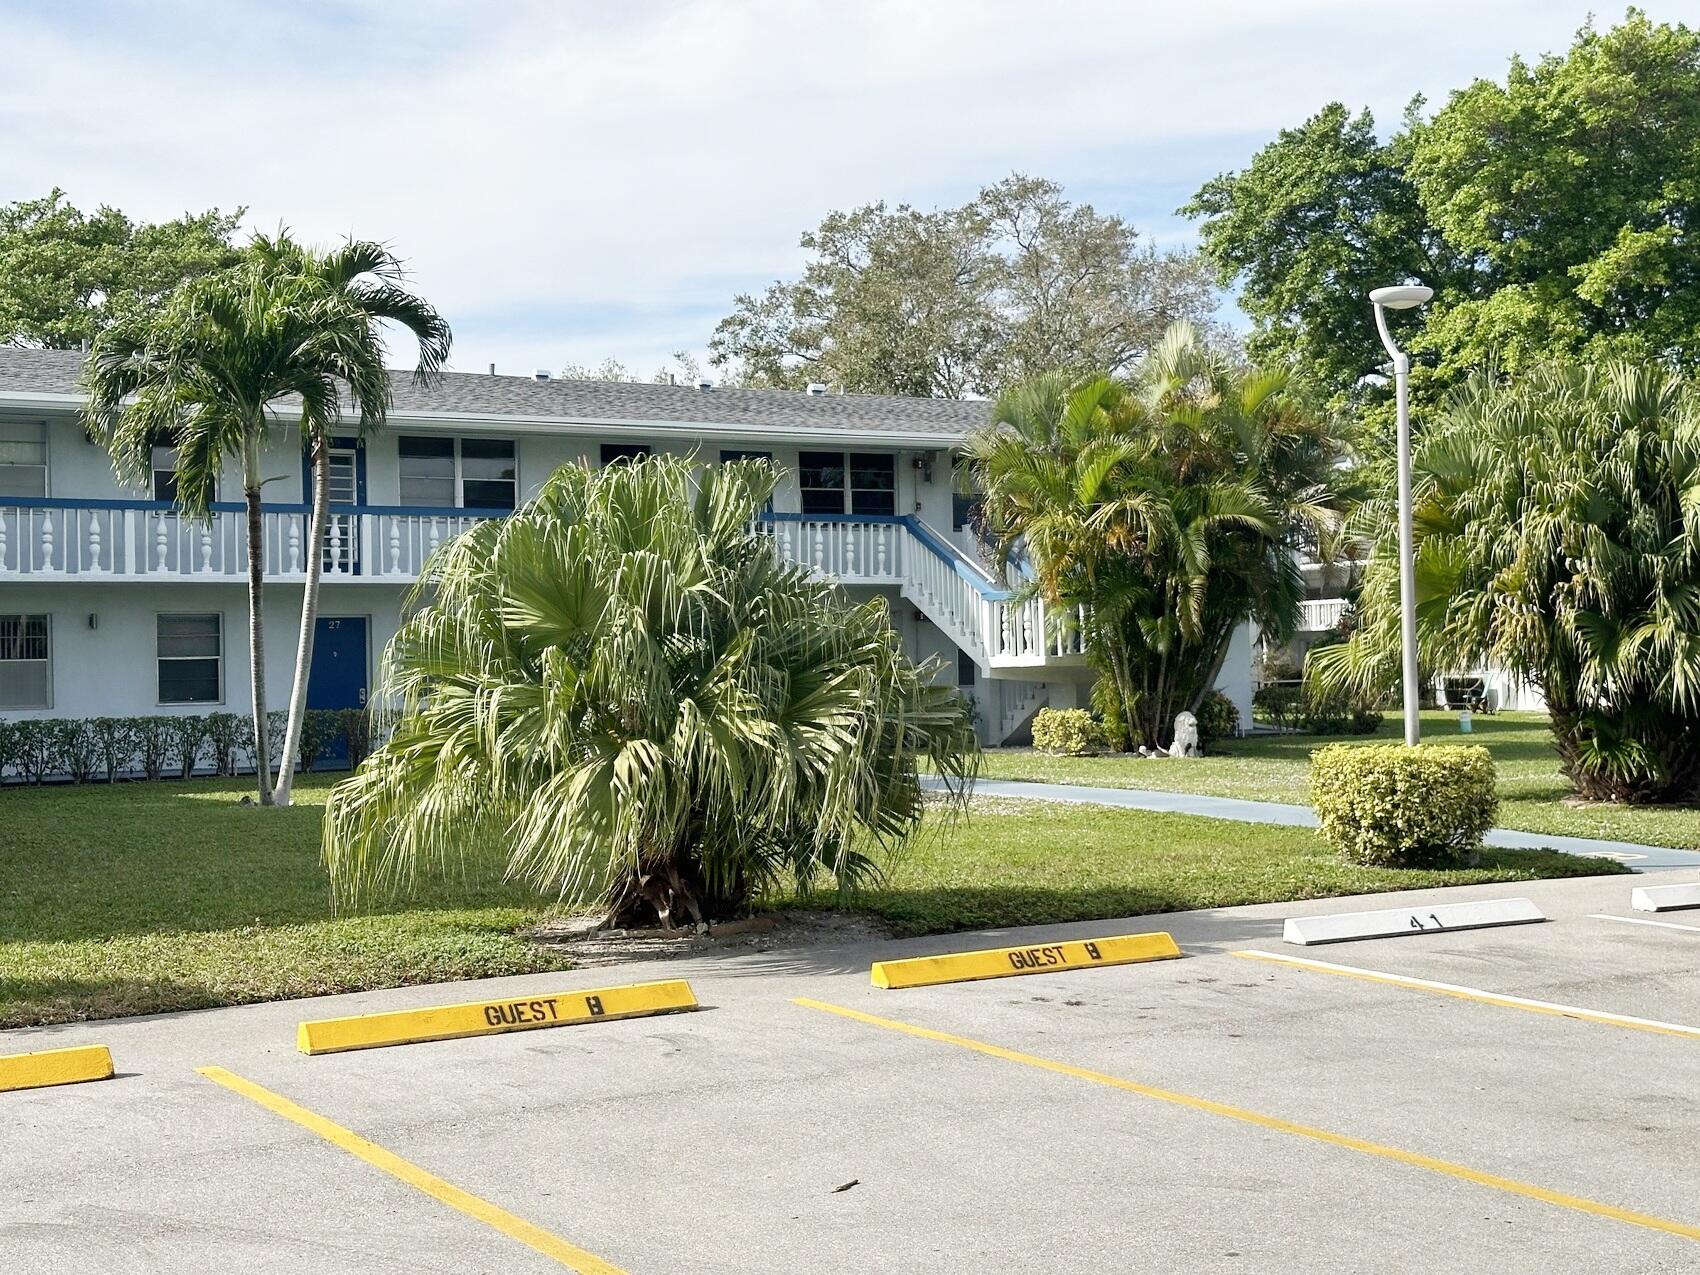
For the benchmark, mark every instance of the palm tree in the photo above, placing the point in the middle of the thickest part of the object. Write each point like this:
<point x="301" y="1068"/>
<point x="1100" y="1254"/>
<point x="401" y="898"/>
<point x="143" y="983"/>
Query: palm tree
<point x="622" y="685"/>
<point x="207" y="371"/>
<point x="200" y="373"/>
<point x="1557" y="521"/>
<point x="360" y="284"/>
<point x="1166" y="508"/>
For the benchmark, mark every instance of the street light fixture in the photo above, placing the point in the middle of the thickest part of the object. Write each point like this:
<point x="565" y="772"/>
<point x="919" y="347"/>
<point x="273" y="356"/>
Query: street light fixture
<point x="1404" y="297"/>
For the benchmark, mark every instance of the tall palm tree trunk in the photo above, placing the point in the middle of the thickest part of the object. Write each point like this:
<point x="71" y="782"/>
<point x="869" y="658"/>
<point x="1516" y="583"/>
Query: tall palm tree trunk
<point x="256" y="612"/>
<point x="309" y="615"/>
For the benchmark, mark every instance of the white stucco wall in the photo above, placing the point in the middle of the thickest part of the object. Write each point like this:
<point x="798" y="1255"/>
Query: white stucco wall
<point x="110" y="669"/>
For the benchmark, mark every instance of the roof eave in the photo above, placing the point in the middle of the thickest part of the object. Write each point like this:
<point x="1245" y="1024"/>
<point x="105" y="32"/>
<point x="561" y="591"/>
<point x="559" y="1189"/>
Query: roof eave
<point x="528" y="424"/>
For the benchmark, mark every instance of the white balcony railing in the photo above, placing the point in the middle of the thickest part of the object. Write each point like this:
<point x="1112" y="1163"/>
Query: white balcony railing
<point x="1317" y="615"/>
<point x="117" y="540"/>
<point x="956" y="593"/>
<point x="150" y="540"/>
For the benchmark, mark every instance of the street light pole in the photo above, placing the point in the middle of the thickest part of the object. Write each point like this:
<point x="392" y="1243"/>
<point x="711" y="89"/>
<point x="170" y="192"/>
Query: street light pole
<point x="1403" y="298"/>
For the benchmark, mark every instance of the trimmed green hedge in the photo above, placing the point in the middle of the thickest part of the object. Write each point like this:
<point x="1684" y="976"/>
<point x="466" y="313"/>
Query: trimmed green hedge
<point x="86" y="749"/>
<point x="1071" y="731"/>
<point x="1389" y="805"/>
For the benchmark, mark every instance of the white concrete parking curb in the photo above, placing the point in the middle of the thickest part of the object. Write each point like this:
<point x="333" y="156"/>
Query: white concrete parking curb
<point x="1343" y="927"/>
<point x="1664" y="898"/>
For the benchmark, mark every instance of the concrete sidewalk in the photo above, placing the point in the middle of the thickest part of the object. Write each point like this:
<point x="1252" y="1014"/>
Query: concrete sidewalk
<point x="1637" y="857"/>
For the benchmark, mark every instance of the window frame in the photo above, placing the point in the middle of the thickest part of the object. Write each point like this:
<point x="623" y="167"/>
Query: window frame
<point x="46" y="617"/>
<point x="158" y="660"/>
<point x="46" y="457"/>
<point x="455" y="442"/>
<point x="846" y="462"/>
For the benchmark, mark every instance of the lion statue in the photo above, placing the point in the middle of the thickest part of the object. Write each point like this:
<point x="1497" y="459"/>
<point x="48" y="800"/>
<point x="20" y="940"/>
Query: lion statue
<point x="1186" y="737"/>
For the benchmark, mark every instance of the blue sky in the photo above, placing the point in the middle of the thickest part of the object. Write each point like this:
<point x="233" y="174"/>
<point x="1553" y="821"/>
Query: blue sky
<point x="571" y="181"/>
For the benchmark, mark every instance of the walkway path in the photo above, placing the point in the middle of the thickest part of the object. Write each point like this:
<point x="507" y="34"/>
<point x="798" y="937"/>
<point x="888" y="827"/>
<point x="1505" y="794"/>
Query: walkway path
<point x="1638" y="857"/>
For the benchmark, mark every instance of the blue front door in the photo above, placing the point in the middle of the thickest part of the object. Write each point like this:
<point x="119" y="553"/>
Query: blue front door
<point x="338" y="676"/>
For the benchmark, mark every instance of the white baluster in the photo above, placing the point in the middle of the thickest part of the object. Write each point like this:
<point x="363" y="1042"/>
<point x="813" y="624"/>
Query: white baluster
<point x="94" y="540"/>
<point x="850" y="550"/>
<point x="395" y="546"/>
<point x="820" y="548"/>
<point x="434" y="539"/>
<point x="159" y="541"/>
<point x="47" y="540"/>
<point x="335" y="551"/>
<point x="879" y="548"/>
<point x="2" y="540"/>
<point x="294" y="546"/>
<point x="206" y="547"/>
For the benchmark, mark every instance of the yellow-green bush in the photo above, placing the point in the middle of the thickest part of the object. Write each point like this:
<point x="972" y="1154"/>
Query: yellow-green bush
<point x="1389" y="805"/>
<point x="1067" y="730"/>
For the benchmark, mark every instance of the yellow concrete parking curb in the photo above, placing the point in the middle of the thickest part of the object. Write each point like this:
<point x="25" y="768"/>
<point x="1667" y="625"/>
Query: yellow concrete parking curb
<point x="487" y="1018"/>
<point x="1042" y="958"/>
<point x="55" y="1067"/>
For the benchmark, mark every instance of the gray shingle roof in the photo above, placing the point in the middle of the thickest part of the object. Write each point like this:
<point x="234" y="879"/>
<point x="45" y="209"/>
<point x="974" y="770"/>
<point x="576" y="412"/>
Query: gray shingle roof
<point x="55" y="372"/>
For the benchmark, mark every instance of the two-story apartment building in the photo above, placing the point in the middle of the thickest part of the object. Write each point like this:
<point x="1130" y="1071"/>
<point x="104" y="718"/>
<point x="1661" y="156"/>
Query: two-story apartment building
<point x="112" y="603"/>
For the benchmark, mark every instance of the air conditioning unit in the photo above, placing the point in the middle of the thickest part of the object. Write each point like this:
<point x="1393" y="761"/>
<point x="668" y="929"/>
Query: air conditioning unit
<point x="541" y="374"/>
<point x="815" y="387"/>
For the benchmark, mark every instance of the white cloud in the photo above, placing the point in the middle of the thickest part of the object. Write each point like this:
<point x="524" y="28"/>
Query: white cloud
<point x="576" y="180"/>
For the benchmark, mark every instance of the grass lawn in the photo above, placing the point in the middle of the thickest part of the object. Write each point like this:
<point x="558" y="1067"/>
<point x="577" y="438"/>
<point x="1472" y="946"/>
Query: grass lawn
<point x="146" y="897"/>
<point x="142" y="898"/>
<point x="1032" y="862"/>
<point x="1533" y="793"/>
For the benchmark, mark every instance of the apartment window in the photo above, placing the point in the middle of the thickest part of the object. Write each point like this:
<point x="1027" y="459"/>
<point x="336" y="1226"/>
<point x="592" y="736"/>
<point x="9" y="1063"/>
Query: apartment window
<point x="612" y="452"/>
<point x="191" y="659"/>
<point x="832" y="483"/>
<point x="165" y="474"/>
<point x="458" y="473"/>
<point x="873" y="484"/>
<point x="23" y="458"/>
<point x="821" y="477"/>
<point x="25" y="679"/>
<point x="965" y="670"/>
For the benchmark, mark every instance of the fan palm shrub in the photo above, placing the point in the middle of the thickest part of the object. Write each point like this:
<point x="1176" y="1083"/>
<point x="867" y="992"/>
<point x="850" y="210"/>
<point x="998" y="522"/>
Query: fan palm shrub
<point x="1557" y="521"/>
<point x="624" y="686"/>
<point x="1167" y="507"/>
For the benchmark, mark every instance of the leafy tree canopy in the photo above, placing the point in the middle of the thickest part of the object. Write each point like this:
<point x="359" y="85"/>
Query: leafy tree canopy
<point x="966" y="300"/>
<point x="1552" y="213"/>
<point x="66" y="275"/>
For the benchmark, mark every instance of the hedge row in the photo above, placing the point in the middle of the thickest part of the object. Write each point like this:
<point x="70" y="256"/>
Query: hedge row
<point x="89" y="749"/>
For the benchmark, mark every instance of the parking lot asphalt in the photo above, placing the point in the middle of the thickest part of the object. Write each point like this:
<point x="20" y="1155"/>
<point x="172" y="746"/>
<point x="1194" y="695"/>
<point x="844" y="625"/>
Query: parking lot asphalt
<point x="1221" y="1112"/>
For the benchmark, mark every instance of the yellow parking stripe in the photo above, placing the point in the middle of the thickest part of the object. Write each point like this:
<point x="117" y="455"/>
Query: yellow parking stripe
<point x="568" y="1255"/>
<point x="1446" y="1167"/>
<point x="1551" y="1008"/>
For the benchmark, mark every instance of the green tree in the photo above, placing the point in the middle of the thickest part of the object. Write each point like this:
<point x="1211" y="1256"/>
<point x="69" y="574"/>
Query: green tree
<point x="1557" y="525"/>
<point x="1165" y="510"/>
<point x="963" y="300"/>
<point x="65" y="275"/>
<point x="1550" y="212"/>
<point x="354" y="289"/>
<point x="203" y="373"/>
<point x="623" y="685"/>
